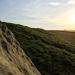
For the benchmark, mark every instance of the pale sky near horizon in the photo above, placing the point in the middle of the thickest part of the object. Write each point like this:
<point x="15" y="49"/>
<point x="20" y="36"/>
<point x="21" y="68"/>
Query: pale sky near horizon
<point x="46" y="14"/>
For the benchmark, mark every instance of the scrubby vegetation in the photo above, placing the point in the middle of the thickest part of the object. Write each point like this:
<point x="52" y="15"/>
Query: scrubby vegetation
<point x="53" y="52"/>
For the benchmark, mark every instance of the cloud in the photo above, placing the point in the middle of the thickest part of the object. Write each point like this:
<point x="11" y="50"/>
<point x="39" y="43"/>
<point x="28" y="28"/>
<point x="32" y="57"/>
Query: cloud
<point x="71" y="2"/>
<point x="54" y="3"/>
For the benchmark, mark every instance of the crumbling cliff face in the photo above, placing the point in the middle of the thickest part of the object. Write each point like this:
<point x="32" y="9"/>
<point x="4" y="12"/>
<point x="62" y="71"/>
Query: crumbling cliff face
<point x="13" y="61"/>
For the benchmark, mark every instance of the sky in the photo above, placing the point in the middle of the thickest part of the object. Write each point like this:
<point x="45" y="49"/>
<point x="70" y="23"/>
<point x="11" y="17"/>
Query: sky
<point x="46" y="14"/>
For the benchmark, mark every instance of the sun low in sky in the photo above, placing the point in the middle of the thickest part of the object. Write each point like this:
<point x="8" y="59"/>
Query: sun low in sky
<point x="46" y="14"/>
<point x="72" y="18"/>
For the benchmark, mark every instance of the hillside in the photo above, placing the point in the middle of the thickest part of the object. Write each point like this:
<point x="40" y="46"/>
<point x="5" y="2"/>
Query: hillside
<point x="53" y="52"/>
<point x="13" y="60"/>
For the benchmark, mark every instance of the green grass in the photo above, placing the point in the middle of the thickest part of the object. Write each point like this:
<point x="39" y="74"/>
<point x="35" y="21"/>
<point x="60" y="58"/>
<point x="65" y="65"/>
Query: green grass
<point x="53" y="52"/>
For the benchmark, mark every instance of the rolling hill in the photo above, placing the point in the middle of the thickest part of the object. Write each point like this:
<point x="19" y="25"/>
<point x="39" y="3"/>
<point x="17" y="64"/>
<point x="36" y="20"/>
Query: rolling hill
<point x="53" y="52"/>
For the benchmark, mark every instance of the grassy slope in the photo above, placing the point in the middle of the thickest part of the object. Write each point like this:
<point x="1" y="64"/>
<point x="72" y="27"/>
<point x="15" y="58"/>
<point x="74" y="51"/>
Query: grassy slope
<point x="52" y="52"/>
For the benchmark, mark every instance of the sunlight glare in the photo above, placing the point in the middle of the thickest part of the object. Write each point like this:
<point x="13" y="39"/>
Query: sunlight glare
<point x="72" y="18"/>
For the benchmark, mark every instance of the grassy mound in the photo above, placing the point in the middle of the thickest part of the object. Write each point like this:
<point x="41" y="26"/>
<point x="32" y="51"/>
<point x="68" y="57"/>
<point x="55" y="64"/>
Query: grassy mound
<point x="53" y="52"/>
